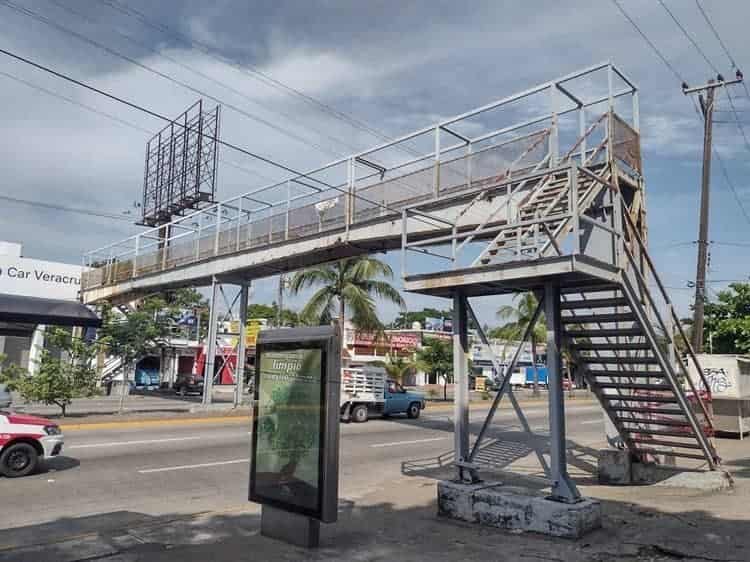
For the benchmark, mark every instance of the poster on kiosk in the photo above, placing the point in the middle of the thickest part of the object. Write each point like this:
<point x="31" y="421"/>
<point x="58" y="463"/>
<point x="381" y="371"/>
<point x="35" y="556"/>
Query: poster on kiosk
<point x="295" y="438"/>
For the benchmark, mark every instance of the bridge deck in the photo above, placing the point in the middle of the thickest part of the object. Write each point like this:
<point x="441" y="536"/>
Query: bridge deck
<point x="512" y="277"/>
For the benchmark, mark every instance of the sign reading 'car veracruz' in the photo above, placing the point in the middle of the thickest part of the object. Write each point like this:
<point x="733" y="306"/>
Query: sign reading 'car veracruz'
<point x="37" y="278"/>
<point x="295" y="424"/>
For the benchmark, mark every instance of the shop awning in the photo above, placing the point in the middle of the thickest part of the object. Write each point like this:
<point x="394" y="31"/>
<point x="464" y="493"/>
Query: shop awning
<point x="18" y="313"/>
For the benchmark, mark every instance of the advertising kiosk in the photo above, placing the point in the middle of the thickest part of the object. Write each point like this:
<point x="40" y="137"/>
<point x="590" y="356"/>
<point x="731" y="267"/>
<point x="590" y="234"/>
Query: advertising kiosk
<point x="295" y="438"/>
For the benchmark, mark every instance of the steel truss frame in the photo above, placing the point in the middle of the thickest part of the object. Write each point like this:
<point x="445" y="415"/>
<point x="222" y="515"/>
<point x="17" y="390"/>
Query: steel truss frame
<point x="237" y="307"/>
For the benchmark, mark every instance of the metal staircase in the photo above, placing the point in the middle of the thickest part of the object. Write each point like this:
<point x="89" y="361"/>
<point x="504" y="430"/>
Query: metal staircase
<point x="580" y="225"/>
<point x="625" y="368"/>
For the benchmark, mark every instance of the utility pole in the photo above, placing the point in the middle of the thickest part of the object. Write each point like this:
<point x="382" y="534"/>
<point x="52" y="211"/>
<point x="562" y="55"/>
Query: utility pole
<point x="707" y="109"/>
<point x="280" y="310"/>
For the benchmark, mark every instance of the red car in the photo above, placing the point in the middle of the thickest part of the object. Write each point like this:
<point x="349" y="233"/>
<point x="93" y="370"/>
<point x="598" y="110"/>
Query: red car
<point x="25" y="442"/>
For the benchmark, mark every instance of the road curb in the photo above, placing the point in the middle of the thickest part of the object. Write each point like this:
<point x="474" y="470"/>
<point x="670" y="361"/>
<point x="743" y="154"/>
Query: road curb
<point x="245" y="418"/>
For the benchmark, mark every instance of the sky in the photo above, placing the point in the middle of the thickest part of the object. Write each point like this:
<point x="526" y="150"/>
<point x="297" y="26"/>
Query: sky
<point x="396" y="66"/>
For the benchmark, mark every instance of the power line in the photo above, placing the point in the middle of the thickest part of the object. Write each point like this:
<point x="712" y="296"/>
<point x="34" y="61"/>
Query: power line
<point x="732" y="187"/>
<point x="34" y="15"/>
<point x="248" y="70"/>
<point x="649" y="42"/>
<point x="63" y="29"/>
<point x="689" y="37"/>
<point x="735" y="244"/>
<point x="56" y="207"/>
<point x="222" y="142"/>
<point x="721" y="42"/>
<point x="117" y="119"/>
<point x="197" y="72"/>
<point x="716" y="33"/>
<point x="737" y="120"/>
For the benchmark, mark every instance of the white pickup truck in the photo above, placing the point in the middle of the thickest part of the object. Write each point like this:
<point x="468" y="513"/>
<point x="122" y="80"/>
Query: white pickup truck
<point x="367" y="390"/>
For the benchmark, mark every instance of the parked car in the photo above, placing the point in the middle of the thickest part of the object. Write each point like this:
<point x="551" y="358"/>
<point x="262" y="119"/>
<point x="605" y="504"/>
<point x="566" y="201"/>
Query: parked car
<point x="6" y="400"/>
<point x="26" y="442"/>
<point x="188" y="384"/>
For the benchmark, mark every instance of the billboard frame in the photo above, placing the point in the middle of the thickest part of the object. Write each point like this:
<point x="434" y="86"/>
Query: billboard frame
<point x="328" y="340"/>
<point x="180" y="166"/>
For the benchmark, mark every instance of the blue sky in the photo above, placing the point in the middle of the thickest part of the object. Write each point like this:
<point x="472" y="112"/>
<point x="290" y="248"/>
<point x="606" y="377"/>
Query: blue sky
<point x="395" y="66"/>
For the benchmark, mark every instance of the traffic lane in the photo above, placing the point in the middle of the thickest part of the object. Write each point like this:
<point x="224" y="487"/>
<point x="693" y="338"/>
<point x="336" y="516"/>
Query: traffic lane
<point x="175" y="481"/>
<point x="178" y="476"/>
<point x="85" y="445"/>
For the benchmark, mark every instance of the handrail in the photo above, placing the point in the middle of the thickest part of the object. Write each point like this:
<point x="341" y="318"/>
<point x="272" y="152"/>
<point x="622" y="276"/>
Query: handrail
<point x="644" y="285"/>
<point x="585" y="135"/>
<point x="634" y="232"/>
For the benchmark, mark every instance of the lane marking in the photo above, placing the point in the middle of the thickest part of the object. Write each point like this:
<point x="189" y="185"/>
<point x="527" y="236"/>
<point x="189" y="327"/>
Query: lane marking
<point x="396" y="443"/>
<point x="151" y="423"/>
<point x="189" y="466"/>
<point x="590" y="422"/>
<point x="141" y="442"/>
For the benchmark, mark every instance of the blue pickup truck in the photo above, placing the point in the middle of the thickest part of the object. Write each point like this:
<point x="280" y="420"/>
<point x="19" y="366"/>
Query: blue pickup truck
<point x="366" y="391"/>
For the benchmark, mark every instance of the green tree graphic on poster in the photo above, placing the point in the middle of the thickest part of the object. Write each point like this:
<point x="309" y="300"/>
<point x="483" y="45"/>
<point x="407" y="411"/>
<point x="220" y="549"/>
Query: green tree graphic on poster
<point x="289" y="417"/>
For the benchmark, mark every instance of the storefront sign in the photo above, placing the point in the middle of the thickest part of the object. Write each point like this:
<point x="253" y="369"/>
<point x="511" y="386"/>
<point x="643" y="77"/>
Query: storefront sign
<point x="392" y="340"/>
<point x="252" y="329"/>
<point x="36" y="278"/>
<point x="294" y="464"/>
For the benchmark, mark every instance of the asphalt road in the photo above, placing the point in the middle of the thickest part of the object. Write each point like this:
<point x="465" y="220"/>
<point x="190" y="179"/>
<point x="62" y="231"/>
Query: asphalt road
<point x="172" y="469"/>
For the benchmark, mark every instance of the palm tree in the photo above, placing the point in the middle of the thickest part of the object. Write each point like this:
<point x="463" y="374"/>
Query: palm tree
<point x="352" y="283"/>
<point x="398" y="368"/>
<point x="520" y="315"/>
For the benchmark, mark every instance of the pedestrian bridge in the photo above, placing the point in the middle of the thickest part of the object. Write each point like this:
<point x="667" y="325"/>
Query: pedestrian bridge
<point x="541" y="191"/>
<point x="359" y="204"/>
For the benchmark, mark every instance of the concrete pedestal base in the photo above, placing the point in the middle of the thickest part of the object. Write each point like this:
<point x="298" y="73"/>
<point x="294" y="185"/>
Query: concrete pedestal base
<point x="512" y="508"/>
<point x="619" y="468"/>
<point x="289" y="527"/>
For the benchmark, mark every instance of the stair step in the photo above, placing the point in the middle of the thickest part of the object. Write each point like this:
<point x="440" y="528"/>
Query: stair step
<point x="634" y="398"/>
<point x="589" y="288"/>
<point x="633" y="373"/>
<point x="662" y="432"/>
<point x="648" y="421"/>
<point x="604" y="333"/>
<point x="633" y="386"/>
<point x="593" y="303"/>
<point x="649" y="451"/>
<point x="642" y="410"/>
<point x="599" y="318"/>
<point x="661" y="443"/>
<point x="619" y="360"/>
<point x="627" y="346"/>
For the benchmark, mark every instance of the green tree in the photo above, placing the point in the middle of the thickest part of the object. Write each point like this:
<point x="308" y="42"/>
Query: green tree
<point x="436" y="358"/>
<point x="135" y="333"/>
<point x="405" y="319"/>
<point x="60" y="377"/>
<point x="727" y="321"/>
<point x="287" y="422"/>
<point x="270" y="312"/>
<point x="349" y="283"/>
<point x="397" y="367"/>
<point x="520" y="316"/>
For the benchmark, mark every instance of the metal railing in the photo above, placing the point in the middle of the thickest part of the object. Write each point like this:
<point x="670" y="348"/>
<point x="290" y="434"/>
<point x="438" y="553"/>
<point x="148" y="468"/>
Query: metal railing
<point x="662" y="314"/>
<point x="375" y="183"/>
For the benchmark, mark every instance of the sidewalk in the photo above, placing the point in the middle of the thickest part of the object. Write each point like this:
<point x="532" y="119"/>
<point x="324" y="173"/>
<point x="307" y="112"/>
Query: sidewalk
<point x="399" y="522"/>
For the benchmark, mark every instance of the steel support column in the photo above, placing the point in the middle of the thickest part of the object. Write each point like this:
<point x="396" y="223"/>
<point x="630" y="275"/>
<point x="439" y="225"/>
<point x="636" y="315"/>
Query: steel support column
<point x="461" y="386"/>
<point x="563" y="488"/>
<point x="213" y="319"/>
<point x="239" y="371"/>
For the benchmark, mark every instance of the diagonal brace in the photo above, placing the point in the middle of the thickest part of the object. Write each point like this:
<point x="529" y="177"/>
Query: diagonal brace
<point x="505" y="385"/>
